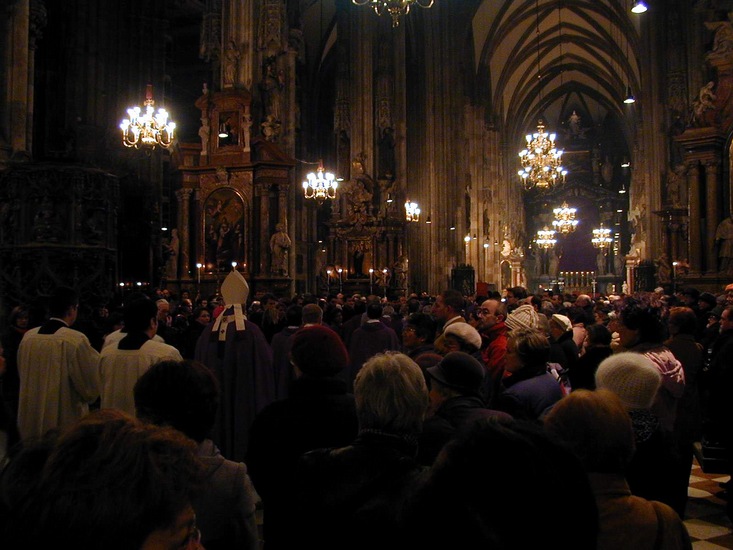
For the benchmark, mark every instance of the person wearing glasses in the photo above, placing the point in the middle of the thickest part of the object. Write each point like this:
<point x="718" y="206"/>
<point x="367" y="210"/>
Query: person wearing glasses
<point x="493" y="331"/>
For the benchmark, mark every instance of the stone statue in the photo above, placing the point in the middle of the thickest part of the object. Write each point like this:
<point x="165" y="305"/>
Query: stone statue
<point x="723" y="41"/>
<point x="399" y="269"/>
<point x="600" y="264"/>
<point x="273" y="83"/>
<point x="231" y="64"/>
<point x="664" y="269"/>
<point x="704" y="102"/>
<point x="724" y="241"/>
<point x="279" y="247"/>
<point x="619" y="265"/>
<point x="271" y="128"/>
<point x="358" y="258"/>
<point x="170" y="253"/>
<point x="204" y="133"/>
<point x="677" y="186"/>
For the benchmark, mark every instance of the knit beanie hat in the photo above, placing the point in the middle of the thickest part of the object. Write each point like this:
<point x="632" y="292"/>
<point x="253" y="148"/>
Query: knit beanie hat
<point x="563" y="322"/>
<point x="523" y="317"/>
<point x="318" y="351"/>
<point x="631" y="376"/>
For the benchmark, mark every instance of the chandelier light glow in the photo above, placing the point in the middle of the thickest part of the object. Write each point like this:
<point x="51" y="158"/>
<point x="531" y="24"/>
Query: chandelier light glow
<point x="395" y="8"/>
<point x="412" y="211"/>
<point x="546" y="238"/>
<point x="565" y="221"/>
<point x="320" y="185"/>
<point x="147" y="129"/>
<point x="602" y="238"/>
<point x="541" y="160"/>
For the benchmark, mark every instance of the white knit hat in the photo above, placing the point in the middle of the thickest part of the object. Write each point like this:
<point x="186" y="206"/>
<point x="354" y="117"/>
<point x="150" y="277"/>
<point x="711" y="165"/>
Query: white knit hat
<point x="563" y="322"/>
<point x="523" y="317"/>
<point x="631" y="376"/>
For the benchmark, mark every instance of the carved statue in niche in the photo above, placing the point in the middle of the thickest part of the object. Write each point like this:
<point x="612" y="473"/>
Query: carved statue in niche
<point x="170" y="255"/>
<point x="279" y="247"/>
<point x="601" y="263"/>
<point x="664" y="269"/>
<point x="358" y="203"/>
<point x="271" y="128"/>
<point x="723" y="41"/>
<point x="387" y="153"/>
<point x="273" y="83"/>
<point x="247" y="131"/>
<point x="724" y="242"/>
<point x="619" y="264"/>
<point x="204" y="133"/>
<point x="555" y="257"/>
<point x="701" y="106"/>
<point x="607" y="170"/>
<point x="358" y="258"/>
<point x="399" y="269"/>
<point x="638" y="239"/>
<point x="677" y="186"/>
<point x="574" y="129"/>
<point x="231" y="63"/>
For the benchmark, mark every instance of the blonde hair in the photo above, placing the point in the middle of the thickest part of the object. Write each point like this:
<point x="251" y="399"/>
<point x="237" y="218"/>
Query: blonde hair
<point x="391" y="394"/>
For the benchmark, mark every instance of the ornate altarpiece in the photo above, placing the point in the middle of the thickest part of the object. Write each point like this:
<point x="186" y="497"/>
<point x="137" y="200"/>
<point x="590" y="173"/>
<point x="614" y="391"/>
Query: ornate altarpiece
<point x="234" y="192"/>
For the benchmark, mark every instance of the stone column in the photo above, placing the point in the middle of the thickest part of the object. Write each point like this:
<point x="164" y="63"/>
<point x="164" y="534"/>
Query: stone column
<point x="184" y="259"/>
<point x="695" y="236"/>
<point x="713" y="214"/>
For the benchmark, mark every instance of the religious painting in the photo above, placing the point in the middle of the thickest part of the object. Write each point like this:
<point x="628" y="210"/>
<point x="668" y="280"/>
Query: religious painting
<point x="223" y="230"/>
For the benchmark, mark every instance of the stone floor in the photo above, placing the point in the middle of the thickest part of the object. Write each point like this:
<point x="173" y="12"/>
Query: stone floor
<point x="705" y="517"/>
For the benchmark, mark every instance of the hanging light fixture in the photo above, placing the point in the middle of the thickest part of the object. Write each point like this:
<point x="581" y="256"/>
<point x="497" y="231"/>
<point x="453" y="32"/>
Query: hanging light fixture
<point x="629" y="96"/>
<point x="541" y="160"/>
<point x="147" y="129"/>
<point x="545" y="238"/>
<point x="395" y="8"/>
<point x="639" y="7"/>
<point x="602" y="238"/>
<point x="565" y="221"/>
<point x="320" y="185"/>
<point x="412" y="211"/>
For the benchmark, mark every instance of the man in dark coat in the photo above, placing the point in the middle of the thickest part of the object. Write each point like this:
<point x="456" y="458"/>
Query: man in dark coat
<point x="372" y="338"/>
<point x="318" y="413"/>
<point x="238" y="353"/>
<point x="353" y="496"/>
<point x="280" y="345"/>
<point x="455" y="387"/>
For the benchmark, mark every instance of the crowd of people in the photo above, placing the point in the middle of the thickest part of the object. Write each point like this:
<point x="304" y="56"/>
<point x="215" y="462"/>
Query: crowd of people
<point x="358" y="421"/>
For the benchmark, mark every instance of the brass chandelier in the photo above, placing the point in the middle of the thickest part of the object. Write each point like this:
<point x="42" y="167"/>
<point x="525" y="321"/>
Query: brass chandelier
<point x="545" y="238"/>
<point x="564" y="221"/>
<point x="412" y="211"/>
<point x="320" y="185"/>
<point x="602" y="238"/>
<point x="541" y="160"/>
<point x="395" y="8"/>
<point x="147" y="129"/>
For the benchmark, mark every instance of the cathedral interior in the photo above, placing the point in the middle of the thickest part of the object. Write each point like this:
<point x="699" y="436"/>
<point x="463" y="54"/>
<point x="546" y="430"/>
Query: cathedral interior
<point x="430" y="107"/>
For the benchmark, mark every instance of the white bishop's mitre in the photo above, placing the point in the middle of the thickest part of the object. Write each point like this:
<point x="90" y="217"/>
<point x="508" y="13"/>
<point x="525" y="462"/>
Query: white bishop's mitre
<point x="235" y="291"/>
